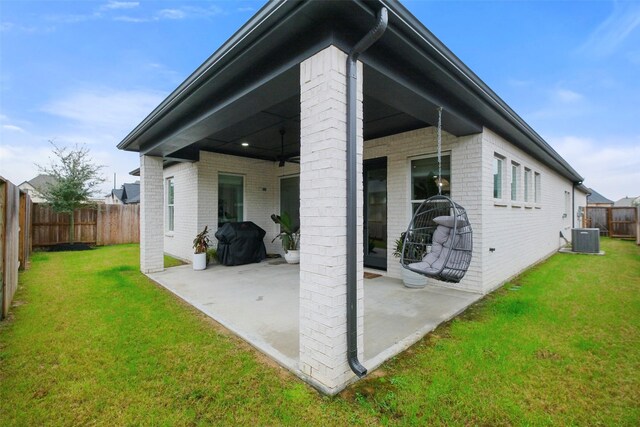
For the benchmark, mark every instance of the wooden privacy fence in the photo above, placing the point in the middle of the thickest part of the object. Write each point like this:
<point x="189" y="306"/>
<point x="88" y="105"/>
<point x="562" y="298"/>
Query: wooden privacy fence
<point x="15" y="247"/>
<point x="99" y="225"/>
<point x="620" y="222"/>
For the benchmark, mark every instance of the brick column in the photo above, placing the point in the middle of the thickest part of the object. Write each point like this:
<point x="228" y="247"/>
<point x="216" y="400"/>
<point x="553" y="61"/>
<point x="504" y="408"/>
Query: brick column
<point x="323" y="340"/>
<point x="151" y="215"/>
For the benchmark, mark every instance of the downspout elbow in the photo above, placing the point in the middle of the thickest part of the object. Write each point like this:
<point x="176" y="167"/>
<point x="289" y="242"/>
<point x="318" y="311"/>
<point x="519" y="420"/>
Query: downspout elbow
<point x="352" y="192"/>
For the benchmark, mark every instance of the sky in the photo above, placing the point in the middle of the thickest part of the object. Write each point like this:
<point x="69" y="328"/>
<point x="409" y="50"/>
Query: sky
<point x="87" y="72"/>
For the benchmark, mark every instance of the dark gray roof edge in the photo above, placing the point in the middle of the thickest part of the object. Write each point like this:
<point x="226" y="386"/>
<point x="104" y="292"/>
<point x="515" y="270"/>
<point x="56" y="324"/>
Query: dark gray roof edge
<point x="480" y="88"/>
<point x="208" y="67"/>
<point x="586" y="190"/>
<point x="247" y="32"/>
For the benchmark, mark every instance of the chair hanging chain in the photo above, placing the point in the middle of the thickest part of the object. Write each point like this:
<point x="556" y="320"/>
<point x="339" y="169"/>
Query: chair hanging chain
<point x="440" y="151"/>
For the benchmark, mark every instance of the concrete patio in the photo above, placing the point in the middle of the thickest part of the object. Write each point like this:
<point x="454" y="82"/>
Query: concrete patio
<point x="260" y="303"/>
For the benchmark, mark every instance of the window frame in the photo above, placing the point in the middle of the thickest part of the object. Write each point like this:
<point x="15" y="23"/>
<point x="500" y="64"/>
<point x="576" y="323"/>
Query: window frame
<point x="537" y="187"/>
<point x="170" y="210"/>
<point x="244" y="194"/>
<point x="417" y="202"/>
<point x="498" y="161"/>
<point x="528" y="174"/>
<point x="280" y="179"/>
<point x="515" y="180"/>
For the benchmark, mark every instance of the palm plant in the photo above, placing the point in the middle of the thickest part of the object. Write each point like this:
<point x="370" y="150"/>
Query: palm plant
<point x="289" y="234"/>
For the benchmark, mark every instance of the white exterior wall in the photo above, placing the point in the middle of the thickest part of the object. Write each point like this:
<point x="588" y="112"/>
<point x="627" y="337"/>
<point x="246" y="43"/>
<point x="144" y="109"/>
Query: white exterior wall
<point x="465" y="183"/>
<point x="323" y="201"/>
<point x="151" y="217"/>
<point x="178" y="243"/>
<point x="521" y="233"/>
<point x="196" y="198"/>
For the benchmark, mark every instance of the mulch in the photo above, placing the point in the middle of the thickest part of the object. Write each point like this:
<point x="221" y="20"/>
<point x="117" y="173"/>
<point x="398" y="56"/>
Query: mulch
<point x="65" y="247"/>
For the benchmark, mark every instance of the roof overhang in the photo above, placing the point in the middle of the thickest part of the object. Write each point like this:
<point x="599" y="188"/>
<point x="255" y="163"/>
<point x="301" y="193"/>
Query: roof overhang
<point x="250" y="86"/>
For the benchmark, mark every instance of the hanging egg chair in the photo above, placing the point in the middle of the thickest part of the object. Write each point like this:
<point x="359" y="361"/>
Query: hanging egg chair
<point x="438" y="242"/>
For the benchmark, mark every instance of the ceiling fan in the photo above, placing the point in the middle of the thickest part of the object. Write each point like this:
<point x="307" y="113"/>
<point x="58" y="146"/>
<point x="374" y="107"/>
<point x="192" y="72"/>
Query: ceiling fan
<point x="282" y="158"/>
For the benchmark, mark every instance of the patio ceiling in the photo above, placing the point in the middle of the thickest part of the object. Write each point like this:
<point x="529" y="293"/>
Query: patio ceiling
<point x="249" y="89"/>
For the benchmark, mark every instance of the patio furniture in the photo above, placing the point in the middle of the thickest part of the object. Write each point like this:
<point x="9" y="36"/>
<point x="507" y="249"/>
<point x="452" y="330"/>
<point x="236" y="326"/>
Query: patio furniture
<point x="240" y="243"/>
<point x="438" y="241"/>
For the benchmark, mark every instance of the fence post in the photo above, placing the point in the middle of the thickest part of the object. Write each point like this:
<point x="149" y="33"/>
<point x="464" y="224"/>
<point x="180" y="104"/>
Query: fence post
<point x="637" y="225"/>
<point x="99" y="219"/>
<point x="3" y="198"/>
<point x="22" y="233"/>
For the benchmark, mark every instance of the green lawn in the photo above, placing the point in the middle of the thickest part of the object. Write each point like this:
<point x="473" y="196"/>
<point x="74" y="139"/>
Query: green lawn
<point x="92" y="341"/>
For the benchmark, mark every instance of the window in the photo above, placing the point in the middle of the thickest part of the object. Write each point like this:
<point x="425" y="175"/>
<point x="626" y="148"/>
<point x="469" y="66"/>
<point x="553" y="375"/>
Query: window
<point x="170" y="204"/>
<point x="497" y="177"/>
<point x="230" y="198"/>
<point x="515" y="176"/>
<point x="567" y="204"/>
<point x="527" y="185"/>
<point x="537" y="191"/>
<point x="290" y="198"/>
<point x="424" y="179"/>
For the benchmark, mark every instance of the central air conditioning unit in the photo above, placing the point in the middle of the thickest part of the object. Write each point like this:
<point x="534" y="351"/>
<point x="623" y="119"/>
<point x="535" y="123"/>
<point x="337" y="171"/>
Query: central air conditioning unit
<point x="585" y="240"/>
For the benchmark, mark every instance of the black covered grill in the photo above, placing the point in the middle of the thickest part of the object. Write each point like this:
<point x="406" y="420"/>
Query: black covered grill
<point x="240" y="243"/>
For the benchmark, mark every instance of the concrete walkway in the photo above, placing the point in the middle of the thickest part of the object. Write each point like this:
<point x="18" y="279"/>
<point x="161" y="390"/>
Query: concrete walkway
<point x="259" y="302"/>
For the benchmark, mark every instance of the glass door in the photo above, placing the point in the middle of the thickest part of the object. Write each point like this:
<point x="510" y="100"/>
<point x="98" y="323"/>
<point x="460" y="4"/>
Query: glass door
<point x="290" y="198"/>
<point x="375" y="213"/>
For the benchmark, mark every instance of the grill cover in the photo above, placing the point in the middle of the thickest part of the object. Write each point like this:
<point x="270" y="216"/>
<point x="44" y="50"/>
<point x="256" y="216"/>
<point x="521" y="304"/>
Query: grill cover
<point x="240" y="243"/>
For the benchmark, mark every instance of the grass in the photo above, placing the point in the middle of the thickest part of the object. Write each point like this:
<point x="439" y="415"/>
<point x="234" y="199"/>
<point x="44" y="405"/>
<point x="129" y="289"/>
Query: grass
<point x="92" y="341"/>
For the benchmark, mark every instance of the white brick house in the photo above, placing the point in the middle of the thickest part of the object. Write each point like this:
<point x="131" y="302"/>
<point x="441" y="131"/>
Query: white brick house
<point x="211" y="152"/>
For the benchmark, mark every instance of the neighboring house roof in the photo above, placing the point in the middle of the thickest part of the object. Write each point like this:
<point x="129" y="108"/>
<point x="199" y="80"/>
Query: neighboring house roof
<point x="132" y="192"/>
<point x="34" y="185"/>
<point x="596" y="197"/>
<point x="627" y="202"/>
<point x="40" y="181"/>
<point x="255" y="82"/>
<point x="128" y="193"/>
<point x="117" y="193"/>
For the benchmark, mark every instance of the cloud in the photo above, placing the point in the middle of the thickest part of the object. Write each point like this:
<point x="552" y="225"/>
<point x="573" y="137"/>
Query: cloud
<point x="108" y="11"/>
<point x="519" y="83"/>
<point x="12" y="128"/>
<point x="171" y="14"/>
<point x="613" y="31"/>
<point x="174" y="14"/>
<point x="561" y="102"/>
<point x="116" y="5"/>
<point x="6" y="27"/>
<point x="131" y="19"/>
<point x="116" y="110"/>
<point x="611" y="166"/>
<point x="17" y="161"/>
<point x="246" y="9"/>
<point x="567" y="96"/>
<point x="99" y="117"/>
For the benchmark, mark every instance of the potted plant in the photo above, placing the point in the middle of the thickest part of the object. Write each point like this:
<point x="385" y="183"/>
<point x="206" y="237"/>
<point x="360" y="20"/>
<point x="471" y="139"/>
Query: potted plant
<point x="200" y="246"/>
<point x="409" y="278"/>
<point x="289" y="235"/>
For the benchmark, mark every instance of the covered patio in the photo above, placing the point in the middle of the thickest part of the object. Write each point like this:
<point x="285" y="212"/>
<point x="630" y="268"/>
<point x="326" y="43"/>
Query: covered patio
<point x="261" y="304"/>
<point x="271" y="104"/>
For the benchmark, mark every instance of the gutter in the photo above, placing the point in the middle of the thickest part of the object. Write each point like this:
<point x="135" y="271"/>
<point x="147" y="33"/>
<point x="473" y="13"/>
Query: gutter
<point x="352" y="190"/>
<point x="474" y="84"/>
<point x="192" y="83"/>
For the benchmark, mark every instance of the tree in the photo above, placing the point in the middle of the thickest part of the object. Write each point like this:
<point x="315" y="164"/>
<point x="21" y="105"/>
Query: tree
<point x="75" y="180"/>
